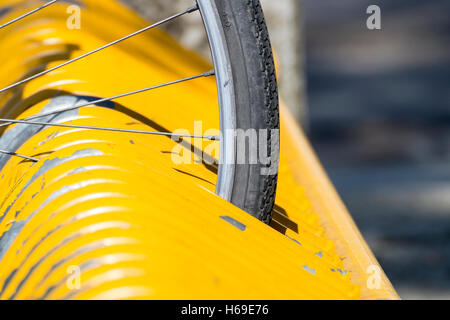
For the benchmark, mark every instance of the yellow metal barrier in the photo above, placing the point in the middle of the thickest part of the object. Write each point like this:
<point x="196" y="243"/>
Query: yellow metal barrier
<point x="107" y="215"/>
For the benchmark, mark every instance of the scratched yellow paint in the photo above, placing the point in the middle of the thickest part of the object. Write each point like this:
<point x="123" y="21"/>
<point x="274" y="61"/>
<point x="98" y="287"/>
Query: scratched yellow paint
<point x="116" y="207"/>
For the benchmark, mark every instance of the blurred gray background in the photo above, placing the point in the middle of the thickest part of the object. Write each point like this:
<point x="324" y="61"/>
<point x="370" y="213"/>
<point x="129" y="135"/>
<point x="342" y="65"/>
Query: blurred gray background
<point x="378" y="115"/>
<point x="379" y="106"/>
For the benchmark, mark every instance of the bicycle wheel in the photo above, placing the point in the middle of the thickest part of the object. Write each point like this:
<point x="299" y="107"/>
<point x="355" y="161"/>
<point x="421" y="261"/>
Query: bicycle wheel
<point x="248" y="101"/>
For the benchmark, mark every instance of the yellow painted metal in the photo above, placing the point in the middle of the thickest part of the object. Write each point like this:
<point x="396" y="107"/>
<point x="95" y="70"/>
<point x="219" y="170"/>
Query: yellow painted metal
<point x="332" y="214"/>
<point x="116" y="208"/>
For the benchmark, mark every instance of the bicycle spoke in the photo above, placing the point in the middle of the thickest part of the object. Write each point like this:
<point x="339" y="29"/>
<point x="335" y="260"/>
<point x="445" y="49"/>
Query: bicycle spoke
<point x="19" y="155"/>
<point x="189" y="10"/>
<point x="206" y="74"/>
<point x="28" y="14"/>
<point x="169" y="134"/>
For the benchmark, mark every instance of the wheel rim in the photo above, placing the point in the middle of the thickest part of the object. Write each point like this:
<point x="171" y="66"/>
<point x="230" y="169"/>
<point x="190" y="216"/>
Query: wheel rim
<point x="225" y="89"/>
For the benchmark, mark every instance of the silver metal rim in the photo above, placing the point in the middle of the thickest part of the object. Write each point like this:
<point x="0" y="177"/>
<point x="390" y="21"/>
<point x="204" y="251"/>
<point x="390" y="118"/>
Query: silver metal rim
<point x="226" y="94"/>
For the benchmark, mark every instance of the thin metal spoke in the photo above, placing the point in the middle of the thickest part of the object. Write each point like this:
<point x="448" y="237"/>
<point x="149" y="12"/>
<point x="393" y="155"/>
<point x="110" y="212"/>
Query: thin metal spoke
<point x="189" y="10"/>
<point x="28" y="14"/>
<point x="19" y="155"/>
<point x="156" y="133"/>
<point x="206" y="74"/>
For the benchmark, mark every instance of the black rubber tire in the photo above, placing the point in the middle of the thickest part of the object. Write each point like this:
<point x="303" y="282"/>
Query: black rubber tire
<point x="256" y="94"/>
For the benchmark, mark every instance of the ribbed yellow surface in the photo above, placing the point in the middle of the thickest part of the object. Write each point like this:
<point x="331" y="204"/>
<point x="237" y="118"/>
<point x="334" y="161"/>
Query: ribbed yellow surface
<point x="116" y="208"/>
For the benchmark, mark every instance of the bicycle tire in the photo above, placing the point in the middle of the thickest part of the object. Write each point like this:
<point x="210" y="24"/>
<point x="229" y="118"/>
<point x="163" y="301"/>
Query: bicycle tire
<point x="242" y="55"/>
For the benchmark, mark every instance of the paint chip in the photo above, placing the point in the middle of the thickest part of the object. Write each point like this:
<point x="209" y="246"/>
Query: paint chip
<point x="343" y="272"/>
<point x="234" y="222"/>
<point x="310" y="270"/>
<point x="294" y="240"/>
<point x="77" y="170"/>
